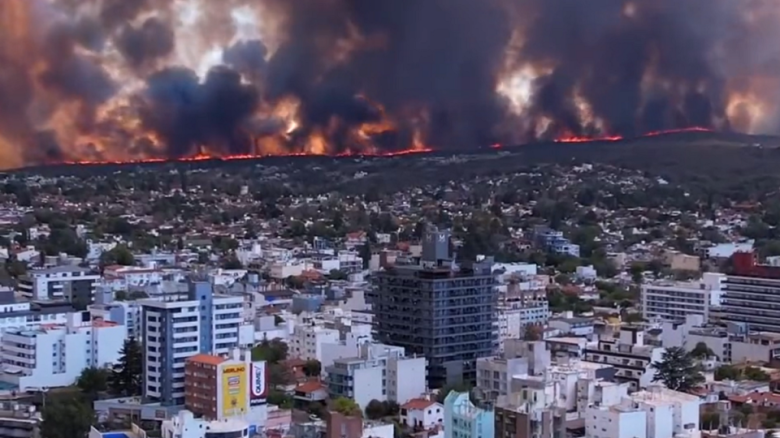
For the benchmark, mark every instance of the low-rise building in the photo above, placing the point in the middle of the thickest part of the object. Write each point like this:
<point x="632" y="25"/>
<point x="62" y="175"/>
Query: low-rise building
<point x="676" y="300"/>
<point x="656" y="413"/>
<point x="517" y="309"/>
<point x="495" y="374"/>
<point x="185" y="425"/>
<point x="573" y="325"/>
<point x="342" y="426"/>
<point x="729" y="344"/>
<point x="127" y="313"/>
<point x="61" y="282"/>
<point x="19" y="420"/>
<point x="463" y="419"/>
<point x="422" y="413"/>
<point x="18" y="314"/>
<point x="632" y="359"/>
<point x="380" y="372"/>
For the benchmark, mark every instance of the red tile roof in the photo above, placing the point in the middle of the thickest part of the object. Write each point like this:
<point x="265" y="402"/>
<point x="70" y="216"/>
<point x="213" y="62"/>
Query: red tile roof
<point x="310" y="386"/>
<point x="417" y="404"/>
<point x="757" y="398"/>
<point x="206" y="359"/>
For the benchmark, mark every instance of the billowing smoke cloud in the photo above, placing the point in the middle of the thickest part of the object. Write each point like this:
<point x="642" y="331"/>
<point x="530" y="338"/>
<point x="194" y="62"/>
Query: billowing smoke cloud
<point x="132" y="79"/>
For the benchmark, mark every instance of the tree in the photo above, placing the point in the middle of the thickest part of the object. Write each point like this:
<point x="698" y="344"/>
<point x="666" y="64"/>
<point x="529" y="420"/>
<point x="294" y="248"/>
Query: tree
<point x="93" y="381"/>
<point x="126" y="377"/>
<point x="637" y="270"/>
<point x="678" y="370"/>
<point x="312" y="368"/>
<point x="279" y="398"/>
<point x="273" y="351"/>
<point x="632" y="318"/>
<point x="445" y="391"/>
<point x="232" y="262"/>
<point x="702" y="351"/>
<point x="533" y="332"/>
<point x="726" y="372"/>
<point x="119" y="255"/>
<point x="709" y="420"/>
<point x="337" y="274"/>
<point x="278" y="375"/>
<point x="392" y="408"/>
<point x="66" y="419"/>
<point x="755" y="374"/>
<point x="345" y="406"/>
<point x="365" y="253"/>
<point x="375" y="410"/>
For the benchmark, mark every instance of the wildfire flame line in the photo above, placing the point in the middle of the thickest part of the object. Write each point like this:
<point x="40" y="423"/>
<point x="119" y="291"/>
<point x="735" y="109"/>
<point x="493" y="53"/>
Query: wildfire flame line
<point x="424" y="150"/>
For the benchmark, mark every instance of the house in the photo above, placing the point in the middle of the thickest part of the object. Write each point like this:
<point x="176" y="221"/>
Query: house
<point x="355" y="239"/>
<point x="422" y="413"/>
<point x="312" y="391"/>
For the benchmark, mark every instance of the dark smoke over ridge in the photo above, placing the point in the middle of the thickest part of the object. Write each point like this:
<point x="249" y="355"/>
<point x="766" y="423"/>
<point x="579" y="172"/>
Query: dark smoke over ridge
<point x="132" y="79"/>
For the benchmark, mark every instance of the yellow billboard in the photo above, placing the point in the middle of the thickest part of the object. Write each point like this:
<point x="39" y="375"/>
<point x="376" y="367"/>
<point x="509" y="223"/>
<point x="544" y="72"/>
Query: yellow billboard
<point x="235" y="390"/>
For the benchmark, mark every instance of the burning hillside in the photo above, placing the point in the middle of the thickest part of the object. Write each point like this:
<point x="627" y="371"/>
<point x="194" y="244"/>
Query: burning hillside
<point x="124" y="80"/>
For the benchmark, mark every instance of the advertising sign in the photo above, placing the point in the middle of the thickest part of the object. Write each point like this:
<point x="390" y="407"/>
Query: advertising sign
<point x="259" y="384"/>
<point x="234" y="390"/>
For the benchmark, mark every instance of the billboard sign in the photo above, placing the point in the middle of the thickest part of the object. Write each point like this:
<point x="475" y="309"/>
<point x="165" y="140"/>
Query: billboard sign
<point x="234" y="390"/>
<point x="259" y="384"/>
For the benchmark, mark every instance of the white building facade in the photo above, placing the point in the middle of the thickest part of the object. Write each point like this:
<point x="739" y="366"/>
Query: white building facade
<point x="676" y="300"/>
<point x="55" y="355"/>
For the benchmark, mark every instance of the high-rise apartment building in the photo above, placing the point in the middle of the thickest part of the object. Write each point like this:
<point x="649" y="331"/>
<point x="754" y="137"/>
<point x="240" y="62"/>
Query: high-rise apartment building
<point x="173" y="331"/>
<point x="752" y="294"/>
<point x="435" y="308"/>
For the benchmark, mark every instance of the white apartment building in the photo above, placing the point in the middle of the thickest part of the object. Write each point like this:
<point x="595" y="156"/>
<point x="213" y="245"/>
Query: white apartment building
<point x="175" y="330"/>
<point x="518" y="309"/>
<point x="54" y="355"/>
<point x="544" y="404"/>
<point x="632" y="359"/>
<point x="288" y="268"/>
<point x="656" y="413"/>
<point x="676" y="300"/>
<point x="381" y="372"/>
<point x="327" y="335"/>
<point x="350" y="262"/>
<point x="118" y="278"/>
<point x="495" y="374"/>
<point x="308" y="338"/>
<point x="58" y="283"/>
<point x="185" y="425"/>
<point x="349" y="346"/>
<point x="24" y="314"/>
<point x="727" y="346"/>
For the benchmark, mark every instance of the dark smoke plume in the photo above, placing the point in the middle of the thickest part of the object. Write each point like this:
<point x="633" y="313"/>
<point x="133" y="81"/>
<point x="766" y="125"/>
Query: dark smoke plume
<point x="116" y="79"/>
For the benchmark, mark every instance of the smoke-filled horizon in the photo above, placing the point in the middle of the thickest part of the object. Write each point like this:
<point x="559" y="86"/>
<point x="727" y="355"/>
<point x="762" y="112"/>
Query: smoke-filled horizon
<point x="132" y="79"/>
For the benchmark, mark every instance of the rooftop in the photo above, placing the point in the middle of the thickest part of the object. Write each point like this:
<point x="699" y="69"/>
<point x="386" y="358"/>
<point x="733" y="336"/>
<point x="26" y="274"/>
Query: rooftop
<point x="59" y="270"/>
<point x="309" y="387"/>
<point x="417" y="404"/>
<point x="207" y="359"/>
<point x="661" y="396"/>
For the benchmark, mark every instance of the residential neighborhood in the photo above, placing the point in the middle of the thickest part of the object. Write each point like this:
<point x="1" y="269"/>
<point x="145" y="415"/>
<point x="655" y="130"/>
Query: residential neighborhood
<point x="581" y="301"/>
